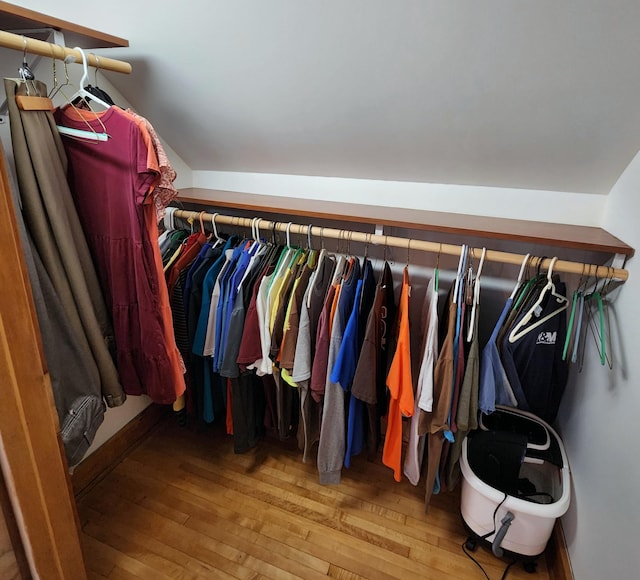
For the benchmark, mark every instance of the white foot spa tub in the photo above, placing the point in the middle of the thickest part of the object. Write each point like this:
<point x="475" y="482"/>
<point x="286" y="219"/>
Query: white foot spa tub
<point x="516" y="482"/>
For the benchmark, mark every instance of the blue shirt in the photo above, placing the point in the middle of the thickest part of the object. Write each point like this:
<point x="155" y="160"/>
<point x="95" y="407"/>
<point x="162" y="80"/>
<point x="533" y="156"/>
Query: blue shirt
<point x="225" y="278"/>
<point x="494" y="387"/>
<point x="207" y="287"/>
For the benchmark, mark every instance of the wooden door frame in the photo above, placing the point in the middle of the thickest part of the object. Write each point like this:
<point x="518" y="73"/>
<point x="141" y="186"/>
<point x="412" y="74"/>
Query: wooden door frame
<point x="31" y="455"/>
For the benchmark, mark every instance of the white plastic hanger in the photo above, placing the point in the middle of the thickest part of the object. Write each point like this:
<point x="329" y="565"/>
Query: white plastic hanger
<point x="459" y="275"/>
<point x="520" y="276"/>
<point x="476" y="297"/>
<point x="255" y="233"/>
<point x="289" y="234"/>
<point x="82" y="92"/>
<point x="169" y="225"/>
<point x="169" y="220"/>
<point x="216" y="235"/>
<point x="91" y="135"/>
<point x="519" y="329"/>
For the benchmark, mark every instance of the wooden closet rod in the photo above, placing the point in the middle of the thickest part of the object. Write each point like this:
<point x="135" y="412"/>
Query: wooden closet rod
<point x="602" y="272"/>
<point x="42" y="48"/>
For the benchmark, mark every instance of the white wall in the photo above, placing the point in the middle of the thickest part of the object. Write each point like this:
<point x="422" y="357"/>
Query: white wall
<point x="599" y="422"/>
<point x="536" y="205"/>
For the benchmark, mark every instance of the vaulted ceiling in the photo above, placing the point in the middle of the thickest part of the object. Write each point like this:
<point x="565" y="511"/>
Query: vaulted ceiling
<point x="532" y="94"/>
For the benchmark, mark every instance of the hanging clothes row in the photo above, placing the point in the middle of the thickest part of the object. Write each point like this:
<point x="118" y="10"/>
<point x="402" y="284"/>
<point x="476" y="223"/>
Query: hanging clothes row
<point x="285" y="327"/>
<point x="561" y="266"/>
<point x="90" y="210"/>
<point x="309" y="344"/>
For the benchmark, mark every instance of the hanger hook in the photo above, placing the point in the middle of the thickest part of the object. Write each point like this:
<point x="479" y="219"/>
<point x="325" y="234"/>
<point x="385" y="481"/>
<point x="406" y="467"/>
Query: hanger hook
<point x="25" y="72"/>
<point x="288" y="232"/>
<point x="85" y="69"/>
<point x="309" y="234"/>
<point x="481" y="264"/>
<point x="581" y="279"/>
<point x="95" y="69"/>
<point x="215" y="227"/>
<point x="53" y="63"/>
<point x="322" y="238"/>
<point x="604" y="281"/>
<point x="525" y="262"/>
<point x="550" y="269"/>
<point x="202" y="221"/>
<point x="610" y="280"/>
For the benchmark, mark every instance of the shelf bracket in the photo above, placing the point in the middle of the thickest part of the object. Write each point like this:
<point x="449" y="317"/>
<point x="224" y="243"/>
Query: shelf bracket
<point x="618" y="261"/>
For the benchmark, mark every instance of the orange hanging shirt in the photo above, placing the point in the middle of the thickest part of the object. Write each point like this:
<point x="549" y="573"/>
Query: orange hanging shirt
<point x="400" y="384"/>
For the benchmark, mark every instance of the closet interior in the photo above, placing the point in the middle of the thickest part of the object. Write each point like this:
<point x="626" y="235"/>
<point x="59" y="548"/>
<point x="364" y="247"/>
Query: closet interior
<point x="316" y="410"/>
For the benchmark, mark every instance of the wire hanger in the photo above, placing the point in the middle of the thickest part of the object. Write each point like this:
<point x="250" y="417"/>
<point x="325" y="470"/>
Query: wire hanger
<point x="67" y="82"/>
<point x="521" y="328"/>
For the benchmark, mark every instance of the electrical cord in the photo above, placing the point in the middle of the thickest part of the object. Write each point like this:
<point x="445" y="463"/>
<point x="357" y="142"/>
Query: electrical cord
<point x="484" y="537"/>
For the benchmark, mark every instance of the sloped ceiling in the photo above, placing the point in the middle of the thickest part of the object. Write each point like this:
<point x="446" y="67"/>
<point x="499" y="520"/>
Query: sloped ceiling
<point x="532" y="94"/>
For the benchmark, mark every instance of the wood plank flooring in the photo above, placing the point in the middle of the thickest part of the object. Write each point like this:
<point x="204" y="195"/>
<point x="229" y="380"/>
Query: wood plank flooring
<point x="183" y="506"/>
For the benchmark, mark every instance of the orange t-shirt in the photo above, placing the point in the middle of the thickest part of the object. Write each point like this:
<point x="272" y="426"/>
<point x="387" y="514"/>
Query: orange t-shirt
<point x="400" y="384"/>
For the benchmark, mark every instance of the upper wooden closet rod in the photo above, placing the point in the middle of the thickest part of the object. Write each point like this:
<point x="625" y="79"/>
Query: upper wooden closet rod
<point x="565" y="266"/>
<point x="42" y="48"/>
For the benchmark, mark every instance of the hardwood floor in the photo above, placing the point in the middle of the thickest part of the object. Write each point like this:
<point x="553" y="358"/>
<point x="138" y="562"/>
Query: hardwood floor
<point x="183" y="506"/>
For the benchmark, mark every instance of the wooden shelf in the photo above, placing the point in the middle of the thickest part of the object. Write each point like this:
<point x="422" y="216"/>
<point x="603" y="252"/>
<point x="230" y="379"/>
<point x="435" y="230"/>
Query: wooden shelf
<point x="560" y="235"/>
<point x="14" y="17"/>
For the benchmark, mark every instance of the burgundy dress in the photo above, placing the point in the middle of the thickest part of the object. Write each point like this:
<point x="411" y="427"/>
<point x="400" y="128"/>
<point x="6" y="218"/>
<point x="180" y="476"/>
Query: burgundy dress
<point x="110" y="182"/>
